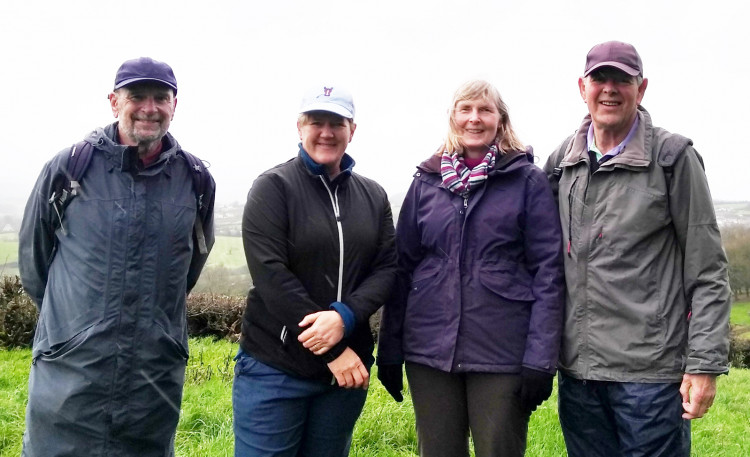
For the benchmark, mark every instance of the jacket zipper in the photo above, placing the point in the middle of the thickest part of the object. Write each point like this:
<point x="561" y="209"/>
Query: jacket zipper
<point x="570" y="214"/>
<point x="334" y="196"/>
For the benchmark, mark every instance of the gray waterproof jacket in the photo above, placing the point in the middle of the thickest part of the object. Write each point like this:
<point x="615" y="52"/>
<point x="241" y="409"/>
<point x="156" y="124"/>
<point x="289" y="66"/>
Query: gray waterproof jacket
<point x="110" y="347"/>
<point x="647" y="290"/>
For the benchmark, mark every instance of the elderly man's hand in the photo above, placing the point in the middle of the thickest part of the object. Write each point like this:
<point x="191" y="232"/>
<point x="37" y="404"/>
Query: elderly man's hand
<point x="698" y="392"/>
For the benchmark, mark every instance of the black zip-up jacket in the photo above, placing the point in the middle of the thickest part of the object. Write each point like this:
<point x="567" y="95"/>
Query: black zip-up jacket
<point x="293" y="238"/>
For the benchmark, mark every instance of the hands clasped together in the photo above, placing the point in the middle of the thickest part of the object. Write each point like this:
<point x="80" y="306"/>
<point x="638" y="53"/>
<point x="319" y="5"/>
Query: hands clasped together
<point x="324" y="330"/>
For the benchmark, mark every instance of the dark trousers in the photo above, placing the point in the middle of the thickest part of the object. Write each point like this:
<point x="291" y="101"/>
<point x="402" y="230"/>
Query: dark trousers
<point x="622" y="419"/>
<point x="448" y="406"/>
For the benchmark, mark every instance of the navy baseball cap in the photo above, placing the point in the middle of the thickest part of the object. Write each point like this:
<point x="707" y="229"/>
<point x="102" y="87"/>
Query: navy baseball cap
<point x="622" y="56"/>
<point x="145" y="69"/>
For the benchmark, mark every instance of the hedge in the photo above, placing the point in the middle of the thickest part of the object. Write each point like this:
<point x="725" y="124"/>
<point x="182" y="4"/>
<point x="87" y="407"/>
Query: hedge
<point x="219" y="316"/>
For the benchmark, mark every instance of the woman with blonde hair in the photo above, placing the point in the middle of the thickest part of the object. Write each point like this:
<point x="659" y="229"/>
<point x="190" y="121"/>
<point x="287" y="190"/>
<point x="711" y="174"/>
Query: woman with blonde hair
<point x="476" y="316"/>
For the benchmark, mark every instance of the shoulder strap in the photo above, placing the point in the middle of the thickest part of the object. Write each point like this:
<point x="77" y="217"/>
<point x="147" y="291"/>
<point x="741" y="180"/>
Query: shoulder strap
<point x="670" y="151"/>
<point x="66" y="185"/>
<point x="80" y="158"/>
<point x="672" y="148"/>
<point x="557" y="158"/>
<point x="554" y="161"/>
<point x="201" y="186"/>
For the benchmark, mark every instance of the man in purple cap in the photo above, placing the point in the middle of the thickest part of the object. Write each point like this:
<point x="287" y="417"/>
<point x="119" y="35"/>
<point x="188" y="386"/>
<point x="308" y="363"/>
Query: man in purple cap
<point x="114" y="236"/>
<point x="647" y="317"/>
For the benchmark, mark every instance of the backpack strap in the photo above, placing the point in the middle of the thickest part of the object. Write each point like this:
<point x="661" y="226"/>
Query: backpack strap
<point x="672" y="148"/>
<point x="66" y="184"/>
<point x="670" y="151"/>
<point x="554" y="160"/>
<point x="202" y="187"/>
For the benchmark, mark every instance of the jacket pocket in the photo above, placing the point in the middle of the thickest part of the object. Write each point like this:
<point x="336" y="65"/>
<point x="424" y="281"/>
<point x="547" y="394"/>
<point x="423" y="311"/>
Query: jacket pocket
<point x="58" y="351"/>
<point x="170" y="344"/>
<point x="507" y="282"/>
<point x="427" y="269"/>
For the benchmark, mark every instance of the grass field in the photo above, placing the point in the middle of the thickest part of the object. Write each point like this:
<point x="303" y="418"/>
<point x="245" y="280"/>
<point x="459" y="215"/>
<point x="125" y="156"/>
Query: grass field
<point x="386" y="428"/>
<point x="8" y="254"/>
<point x="227" y="252"/>
<point x="740" y="314"/>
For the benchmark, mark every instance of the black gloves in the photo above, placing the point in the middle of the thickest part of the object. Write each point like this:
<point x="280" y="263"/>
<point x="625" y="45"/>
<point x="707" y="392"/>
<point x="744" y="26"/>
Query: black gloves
<point x="536" y="386"/>
<point x="391" y="378"/>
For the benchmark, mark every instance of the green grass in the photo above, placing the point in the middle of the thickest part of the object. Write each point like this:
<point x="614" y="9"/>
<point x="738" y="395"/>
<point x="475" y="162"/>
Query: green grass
<point x="227" y="252"/>
<point x="386" y="428"/>
<point x="8" y="253"/>
<point x="740" y="314"/>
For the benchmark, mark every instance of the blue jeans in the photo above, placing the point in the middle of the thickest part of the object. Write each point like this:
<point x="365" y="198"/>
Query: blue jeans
<point x="622" y="419"/>
<point x="282" y="416"/>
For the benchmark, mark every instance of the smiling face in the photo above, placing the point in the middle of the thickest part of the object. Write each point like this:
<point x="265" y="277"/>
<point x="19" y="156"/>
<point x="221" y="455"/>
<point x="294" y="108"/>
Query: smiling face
<point x="476" y="121"/>
<point x="325" y="136"/>
<point x="144" y="112"/>
<point x="612" y="97"/>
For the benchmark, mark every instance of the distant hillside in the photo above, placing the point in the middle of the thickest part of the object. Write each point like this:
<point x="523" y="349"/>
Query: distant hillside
<point x="228" y="217"/>
<point x="732" y="212"/>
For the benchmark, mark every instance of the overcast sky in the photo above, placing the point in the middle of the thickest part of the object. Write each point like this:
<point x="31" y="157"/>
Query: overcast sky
<point x="242" y="67"/>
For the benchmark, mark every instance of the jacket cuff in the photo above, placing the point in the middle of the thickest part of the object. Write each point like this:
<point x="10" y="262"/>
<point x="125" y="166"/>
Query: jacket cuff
<point x="334" y="353"/>
<point x="347" y="315"/>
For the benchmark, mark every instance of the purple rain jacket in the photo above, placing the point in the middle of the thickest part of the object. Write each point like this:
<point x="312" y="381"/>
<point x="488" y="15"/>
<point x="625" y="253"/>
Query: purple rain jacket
<point x="481" y="285"/>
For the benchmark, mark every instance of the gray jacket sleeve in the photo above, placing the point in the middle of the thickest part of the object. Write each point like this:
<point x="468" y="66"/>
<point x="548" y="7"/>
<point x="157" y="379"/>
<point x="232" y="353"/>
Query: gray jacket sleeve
<point x="705" y="269"/>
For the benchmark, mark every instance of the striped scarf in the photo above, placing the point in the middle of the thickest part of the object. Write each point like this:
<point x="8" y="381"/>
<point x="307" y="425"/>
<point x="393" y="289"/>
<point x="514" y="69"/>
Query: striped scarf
<point x="458" y="178"/>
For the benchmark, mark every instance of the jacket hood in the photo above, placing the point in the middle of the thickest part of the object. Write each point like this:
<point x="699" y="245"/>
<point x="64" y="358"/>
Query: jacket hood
<point x="504" y="163"/>
<point x="125" y="157"/>
<point x="635" y="155"/>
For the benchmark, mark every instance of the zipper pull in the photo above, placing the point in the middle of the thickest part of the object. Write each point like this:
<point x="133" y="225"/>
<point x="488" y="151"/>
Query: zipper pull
<point x="466" y="202"/>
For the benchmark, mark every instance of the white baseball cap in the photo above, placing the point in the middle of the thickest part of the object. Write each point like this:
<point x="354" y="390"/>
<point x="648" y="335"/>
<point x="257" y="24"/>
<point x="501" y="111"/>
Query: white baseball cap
<point x="334" y="99"/>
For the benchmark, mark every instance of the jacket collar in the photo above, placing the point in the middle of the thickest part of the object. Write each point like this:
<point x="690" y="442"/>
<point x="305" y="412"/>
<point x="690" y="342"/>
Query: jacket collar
<point x="637" y="153"/>
<point x="124" y="157"/>
<point x="504" y="163"/>
<point x="347" y="164"/>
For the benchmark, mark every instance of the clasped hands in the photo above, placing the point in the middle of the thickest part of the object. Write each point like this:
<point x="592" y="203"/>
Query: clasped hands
<point x="324" y="330"/>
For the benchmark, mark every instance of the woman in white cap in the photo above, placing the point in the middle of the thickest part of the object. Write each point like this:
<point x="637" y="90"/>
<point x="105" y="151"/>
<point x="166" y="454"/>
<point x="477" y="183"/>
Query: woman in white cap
<point x="319" y="243"/>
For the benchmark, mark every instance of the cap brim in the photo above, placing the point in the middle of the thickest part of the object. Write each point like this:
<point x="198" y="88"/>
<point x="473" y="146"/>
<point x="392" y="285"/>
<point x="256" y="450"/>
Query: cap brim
<point x="135" y="80"/>
<point x="330" y="107"/>
<point x="629" y="70"/>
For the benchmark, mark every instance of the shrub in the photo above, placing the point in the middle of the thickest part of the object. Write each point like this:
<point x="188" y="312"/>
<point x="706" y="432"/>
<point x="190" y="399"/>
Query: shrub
<point x="739" y="348"/>
<point x="375" y="323"/>
<point x="215" y="315"/>
<point x="18" y="314"/>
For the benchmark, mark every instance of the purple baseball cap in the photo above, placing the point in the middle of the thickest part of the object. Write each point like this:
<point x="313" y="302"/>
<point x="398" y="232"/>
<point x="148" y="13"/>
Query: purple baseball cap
<point x="622" y="56"/>
<point x="145" y="69"/>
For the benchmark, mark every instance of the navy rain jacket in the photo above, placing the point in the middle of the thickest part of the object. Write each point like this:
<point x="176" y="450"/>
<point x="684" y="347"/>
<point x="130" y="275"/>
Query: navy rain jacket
<point x="111" y="347"/>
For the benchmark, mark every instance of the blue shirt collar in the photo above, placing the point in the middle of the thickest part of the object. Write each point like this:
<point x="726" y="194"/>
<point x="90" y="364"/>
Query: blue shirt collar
<point x="347" y="163"/>
<point x="591" y="144"/>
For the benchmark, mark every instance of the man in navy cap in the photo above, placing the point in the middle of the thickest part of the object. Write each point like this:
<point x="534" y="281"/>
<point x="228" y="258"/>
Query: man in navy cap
<point x="647" y="315"/>
<point x="109" y="255"/>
